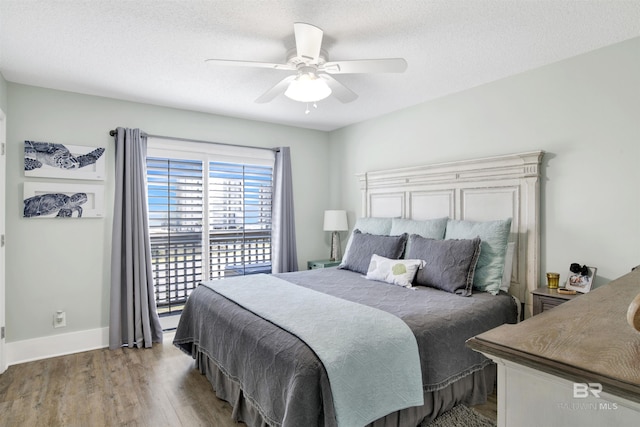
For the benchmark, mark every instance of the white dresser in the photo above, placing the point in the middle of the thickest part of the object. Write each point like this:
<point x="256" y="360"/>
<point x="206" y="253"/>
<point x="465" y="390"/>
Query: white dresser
<point x="575" y="365"/>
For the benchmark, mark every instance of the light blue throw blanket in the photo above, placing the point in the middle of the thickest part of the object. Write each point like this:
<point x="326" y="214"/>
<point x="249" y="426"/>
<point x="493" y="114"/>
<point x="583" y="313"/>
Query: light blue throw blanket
<point x="371" y="356"/>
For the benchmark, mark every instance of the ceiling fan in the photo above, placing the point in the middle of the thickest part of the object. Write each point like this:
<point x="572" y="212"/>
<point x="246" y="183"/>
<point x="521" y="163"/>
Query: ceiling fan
<point x="312" y="80"/>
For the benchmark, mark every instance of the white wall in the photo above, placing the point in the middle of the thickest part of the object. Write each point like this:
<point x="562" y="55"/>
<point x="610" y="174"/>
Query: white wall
<point x="3" y="93"/>
<point x="64" y="264"/>
<point x="584" y="112"/>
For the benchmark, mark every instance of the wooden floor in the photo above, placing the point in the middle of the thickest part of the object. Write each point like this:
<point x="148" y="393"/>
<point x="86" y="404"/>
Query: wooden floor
<point x="139" y="387"/>
<point x="489" y="409"/>
<point x="125" y="387"/>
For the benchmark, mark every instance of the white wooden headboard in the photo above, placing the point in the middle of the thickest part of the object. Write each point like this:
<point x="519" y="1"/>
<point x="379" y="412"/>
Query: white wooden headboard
<point x="478" y="190"/>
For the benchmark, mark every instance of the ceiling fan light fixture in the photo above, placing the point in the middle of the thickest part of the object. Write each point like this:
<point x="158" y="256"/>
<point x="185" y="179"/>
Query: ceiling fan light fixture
<point x="307" y="59"/>
<point x="308" y="87"/>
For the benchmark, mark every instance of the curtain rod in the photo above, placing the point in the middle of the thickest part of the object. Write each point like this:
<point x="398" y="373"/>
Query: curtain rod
<point x="172" y="138"/>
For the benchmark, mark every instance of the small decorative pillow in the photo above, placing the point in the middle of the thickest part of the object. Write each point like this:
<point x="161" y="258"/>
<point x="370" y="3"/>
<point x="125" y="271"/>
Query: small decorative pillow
<point x="363" y="246"/>
<point x="449" y="264"/>
<point x="395" y="271"/>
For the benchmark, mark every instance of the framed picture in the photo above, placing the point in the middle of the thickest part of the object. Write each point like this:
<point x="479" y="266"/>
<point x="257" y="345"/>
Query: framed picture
<point x="51" y="200"/>
<point x="49" y="160"/>
<point x="581" y="282"/>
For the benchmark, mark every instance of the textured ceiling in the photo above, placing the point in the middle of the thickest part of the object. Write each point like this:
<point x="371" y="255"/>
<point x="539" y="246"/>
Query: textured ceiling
<point x="153" y="51"/>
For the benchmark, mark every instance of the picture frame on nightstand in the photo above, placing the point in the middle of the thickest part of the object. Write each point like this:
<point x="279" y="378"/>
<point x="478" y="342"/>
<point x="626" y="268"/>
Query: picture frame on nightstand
<point x="579" y="282"/>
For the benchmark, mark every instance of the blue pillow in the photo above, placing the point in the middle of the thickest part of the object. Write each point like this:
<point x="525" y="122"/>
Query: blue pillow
<point x="429" y="228"/>
<point x="494" y="236"/>
<point x="372" y="225"/>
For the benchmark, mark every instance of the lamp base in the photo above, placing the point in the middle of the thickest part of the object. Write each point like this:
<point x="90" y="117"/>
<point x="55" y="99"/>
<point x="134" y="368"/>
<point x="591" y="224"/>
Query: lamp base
<point x="335" y="246"/>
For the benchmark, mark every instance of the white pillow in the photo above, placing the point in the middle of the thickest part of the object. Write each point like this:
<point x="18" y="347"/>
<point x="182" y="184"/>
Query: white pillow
<point x="508" y="267"/>
<point x="395" y="271"/>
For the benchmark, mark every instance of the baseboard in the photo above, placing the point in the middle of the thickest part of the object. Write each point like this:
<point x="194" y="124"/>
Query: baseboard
<point x="56" y="345"/>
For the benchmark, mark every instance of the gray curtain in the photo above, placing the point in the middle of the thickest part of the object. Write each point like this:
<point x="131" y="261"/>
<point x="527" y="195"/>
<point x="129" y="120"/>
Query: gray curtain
<point x="283" y="235"/>
<point x="133" y="317"/>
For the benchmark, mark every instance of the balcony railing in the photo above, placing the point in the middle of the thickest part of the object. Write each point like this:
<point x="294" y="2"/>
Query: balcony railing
<point x="177" y="262"/>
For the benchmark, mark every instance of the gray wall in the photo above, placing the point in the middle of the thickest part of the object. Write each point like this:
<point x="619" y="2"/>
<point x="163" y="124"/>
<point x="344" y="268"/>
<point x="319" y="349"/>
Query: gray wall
<point x="584" y="112"/>
<point x="64" y="264"/>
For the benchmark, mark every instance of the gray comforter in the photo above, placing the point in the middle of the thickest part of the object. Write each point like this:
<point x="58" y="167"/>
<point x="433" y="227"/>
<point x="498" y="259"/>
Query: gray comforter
<point x="335" y="329"/>
<point x="284" y="379"/>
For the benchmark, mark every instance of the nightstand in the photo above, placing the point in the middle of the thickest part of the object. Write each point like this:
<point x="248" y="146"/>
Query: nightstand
<point x="545" y="299"/>
<point x="323" y="263"/>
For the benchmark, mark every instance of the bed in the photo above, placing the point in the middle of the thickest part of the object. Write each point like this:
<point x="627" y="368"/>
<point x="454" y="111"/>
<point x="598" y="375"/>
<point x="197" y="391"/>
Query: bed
<point x="271" y="366"/>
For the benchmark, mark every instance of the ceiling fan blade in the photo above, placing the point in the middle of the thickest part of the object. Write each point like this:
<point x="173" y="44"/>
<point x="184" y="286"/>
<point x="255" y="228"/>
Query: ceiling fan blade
<point x="308" y="41"/>
<point x="388" y="65"/>
<point x="276" y="90"/>
<point x="340" y="91"/>
<point x="254" y="64"/>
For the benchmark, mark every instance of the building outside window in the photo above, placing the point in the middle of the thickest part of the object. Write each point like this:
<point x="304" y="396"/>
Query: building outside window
<point x="209" y="216"/>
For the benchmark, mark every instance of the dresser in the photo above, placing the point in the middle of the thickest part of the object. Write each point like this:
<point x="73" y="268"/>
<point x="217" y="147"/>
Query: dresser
<point x="575" y="365"/>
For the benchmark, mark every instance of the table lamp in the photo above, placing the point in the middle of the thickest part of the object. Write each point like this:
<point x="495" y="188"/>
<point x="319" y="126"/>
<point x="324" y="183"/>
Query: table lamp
<point x="335" y="221"/>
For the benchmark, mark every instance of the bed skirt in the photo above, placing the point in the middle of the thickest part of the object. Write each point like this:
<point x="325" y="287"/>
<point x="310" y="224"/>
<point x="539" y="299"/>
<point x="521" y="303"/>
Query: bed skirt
<point x="470" y="390"/>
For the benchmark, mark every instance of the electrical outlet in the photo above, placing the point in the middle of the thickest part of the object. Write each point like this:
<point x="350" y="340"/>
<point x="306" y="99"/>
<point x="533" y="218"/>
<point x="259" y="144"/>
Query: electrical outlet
<point x="60" y="319"/>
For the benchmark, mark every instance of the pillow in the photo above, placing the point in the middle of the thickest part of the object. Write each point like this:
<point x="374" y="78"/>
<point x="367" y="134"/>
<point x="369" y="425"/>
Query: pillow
<point x="364" y="245"/>
<point x="508" y="267"/>
<point x="431" y="228"/>
<point x="494" y="236"/>
<point x="371" y="225"/>
<point x="395" y="271"/>
<point x="449" y="264"/>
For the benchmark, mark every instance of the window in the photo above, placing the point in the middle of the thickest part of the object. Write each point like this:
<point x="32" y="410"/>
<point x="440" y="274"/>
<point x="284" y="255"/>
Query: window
<point x="240" y="219"/>
<point x="209" y="218"/>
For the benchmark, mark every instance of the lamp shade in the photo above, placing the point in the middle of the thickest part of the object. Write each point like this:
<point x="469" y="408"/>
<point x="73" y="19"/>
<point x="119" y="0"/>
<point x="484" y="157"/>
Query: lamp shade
<point x="335" y="220"/>
<point x="308" y="88"/>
